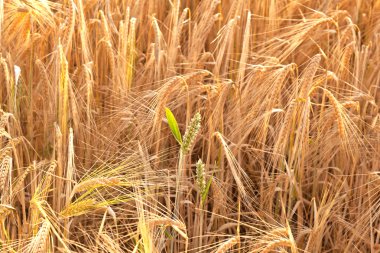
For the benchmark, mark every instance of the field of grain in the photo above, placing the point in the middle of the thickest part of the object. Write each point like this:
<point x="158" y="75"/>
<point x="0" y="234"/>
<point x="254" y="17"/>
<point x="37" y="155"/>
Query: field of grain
<point x="218" y="126"/>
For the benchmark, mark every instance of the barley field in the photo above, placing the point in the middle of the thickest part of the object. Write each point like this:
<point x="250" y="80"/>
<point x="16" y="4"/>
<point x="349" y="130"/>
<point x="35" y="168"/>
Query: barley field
<point x="191" y="126"/>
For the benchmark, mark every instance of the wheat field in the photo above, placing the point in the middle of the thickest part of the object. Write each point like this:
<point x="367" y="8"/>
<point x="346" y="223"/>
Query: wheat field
<point x="151" y="126"/>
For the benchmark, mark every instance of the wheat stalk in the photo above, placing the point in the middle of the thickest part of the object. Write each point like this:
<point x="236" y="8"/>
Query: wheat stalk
<point x="6" y="166"/>
<point x="63" y="92"/>
<point x="165" y="222"/>
<point x="131" y="52"/>
<point x="276" y="244"/>
<point x="20" y="180"/>
<point x="96" y="183"/>
<point x="79" y="208"/>
<point x="227" y="245"/>
<point x="40" y="242"/>
<point x="337" y="110"/>
<point x="68" y="36"/>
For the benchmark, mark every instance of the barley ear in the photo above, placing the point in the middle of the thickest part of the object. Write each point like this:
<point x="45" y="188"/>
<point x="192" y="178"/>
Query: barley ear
<point x="191" y="133"/>
<point x="227" y="245"/>
<point x="201" y="181"/>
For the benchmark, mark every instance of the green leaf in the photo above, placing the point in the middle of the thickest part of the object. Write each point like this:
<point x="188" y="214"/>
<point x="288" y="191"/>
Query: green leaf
<point x="173" y="125"/>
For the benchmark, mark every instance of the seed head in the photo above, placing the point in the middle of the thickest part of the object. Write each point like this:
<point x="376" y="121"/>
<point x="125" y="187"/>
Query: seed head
<point x="191" y="133"/>
<point x="200" y="176"/>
